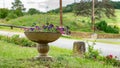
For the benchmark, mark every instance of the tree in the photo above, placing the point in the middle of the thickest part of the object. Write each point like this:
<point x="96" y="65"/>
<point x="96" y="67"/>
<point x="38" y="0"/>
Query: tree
<point x="18" y="7"/>
<point x="101" y="7"/>
<point x="3" y="13"/>
<point x="85" y="8"/>
<point x="32" y="11"/>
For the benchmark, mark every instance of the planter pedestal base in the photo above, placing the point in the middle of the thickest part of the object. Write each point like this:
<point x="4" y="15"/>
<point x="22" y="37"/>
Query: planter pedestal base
<point x="43" y="50"/>
<point x="44" y="58"/>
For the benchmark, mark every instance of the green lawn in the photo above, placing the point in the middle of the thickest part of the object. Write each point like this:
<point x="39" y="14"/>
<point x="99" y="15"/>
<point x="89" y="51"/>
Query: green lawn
<point x="14" y="56"/>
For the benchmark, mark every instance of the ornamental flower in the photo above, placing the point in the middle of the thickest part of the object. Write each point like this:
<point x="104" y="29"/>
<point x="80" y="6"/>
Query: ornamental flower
<point x="37" y="28"/>
<point x="109" y="56"/>
<point x="47" y="28"/>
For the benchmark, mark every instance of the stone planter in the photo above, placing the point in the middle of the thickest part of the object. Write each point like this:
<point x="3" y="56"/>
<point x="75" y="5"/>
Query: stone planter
<point x="42" y="38"/>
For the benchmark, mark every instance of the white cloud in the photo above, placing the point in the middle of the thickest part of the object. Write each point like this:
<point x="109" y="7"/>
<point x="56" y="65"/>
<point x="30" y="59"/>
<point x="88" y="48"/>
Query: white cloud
<point x="38" y="4"/>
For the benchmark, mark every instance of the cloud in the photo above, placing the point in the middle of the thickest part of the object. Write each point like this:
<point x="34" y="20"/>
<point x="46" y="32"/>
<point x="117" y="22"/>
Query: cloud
<point x="38" y="4"/>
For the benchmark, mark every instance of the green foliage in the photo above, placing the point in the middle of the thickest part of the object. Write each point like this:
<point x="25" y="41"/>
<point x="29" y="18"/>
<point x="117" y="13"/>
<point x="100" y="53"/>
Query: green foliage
<point x="15" y="39"/>
<point x="95" y="55"/>
<point x="10" y="16"/>
<point x="102" y="25"/>
<point x="18" y="7"/>
<point x="66" y="9"/>
<point x="3" y="13"/>
<point x="17" y="4"/>
<point x="92" y="53"/>
<point x="101" y="7"/>
<point x="32" y="11"/>
<point x="111" y="29"/>
<point x="116" y="4"/>
<point x="18" y="12"/>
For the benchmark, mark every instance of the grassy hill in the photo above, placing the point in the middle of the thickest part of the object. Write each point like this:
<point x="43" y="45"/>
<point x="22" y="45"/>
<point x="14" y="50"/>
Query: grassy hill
<point x="76" y="23"/>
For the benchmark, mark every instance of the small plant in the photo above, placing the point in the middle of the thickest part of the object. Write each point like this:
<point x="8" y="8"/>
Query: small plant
<point x="92" y="53"/>
<point x="112" y="60"/>
<point x="95" y="55"/>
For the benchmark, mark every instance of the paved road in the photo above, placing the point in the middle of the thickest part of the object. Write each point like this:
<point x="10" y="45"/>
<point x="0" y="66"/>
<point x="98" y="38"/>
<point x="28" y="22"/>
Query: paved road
<point x="105" y="49"/>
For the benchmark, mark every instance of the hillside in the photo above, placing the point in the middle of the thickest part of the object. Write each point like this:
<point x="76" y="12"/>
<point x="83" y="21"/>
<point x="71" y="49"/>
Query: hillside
<point x="76" y="23"/>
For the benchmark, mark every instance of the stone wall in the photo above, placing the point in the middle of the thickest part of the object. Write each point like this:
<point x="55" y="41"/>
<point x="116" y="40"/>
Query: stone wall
<point x="88" y="35"/>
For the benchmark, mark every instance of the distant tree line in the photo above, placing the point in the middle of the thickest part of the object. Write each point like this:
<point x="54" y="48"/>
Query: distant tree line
<point x="16" y="10"/>
<point x="116" y="4"/>
<point x="70" y="7"/>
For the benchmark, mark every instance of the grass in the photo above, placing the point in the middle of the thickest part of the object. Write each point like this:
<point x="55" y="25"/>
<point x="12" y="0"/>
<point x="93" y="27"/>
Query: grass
<point x="2" y="28"/>
<point x="13" y="56"/>
<point x="76" y="23"/>
<point x="109" y="41"/>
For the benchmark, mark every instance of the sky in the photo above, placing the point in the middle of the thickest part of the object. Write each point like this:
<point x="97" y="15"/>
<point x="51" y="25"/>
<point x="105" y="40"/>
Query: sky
<point x="38" y="4"/>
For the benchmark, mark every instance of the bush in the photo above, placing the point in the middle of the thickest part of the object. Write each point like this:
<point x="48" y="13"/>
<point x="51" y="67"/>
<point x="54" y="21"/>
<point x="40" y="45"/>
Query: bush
<point x="102" y="25"/>
<point x="92" y="53"/>
<point x="32" y="11"/>
<point x="3" y="13"/>
<point x="18" y="41"/>
<point x="11" y="15"/>
<point x="107" y="28"/>
<point x="111" y="29"/>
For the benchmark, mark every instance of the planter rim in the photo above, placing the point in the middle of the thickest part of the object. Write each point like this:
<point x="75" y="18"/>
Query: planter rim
<point x="42" y="37"/>
<point x="38" y="32"/>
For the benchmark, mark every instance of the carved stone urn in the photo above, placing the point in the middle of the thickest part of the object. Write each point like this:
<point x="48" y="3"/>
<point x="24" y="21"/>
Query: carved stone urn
<point x="42" y="38"/>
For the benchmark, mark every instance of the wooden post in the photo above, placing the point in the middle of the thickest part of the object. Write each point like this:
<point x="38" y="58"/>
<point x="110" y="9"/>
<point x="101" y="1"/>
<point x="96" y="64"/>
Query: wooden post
<point x="93" y="15"/>
<point x="61" y="20"/>
<point x="79" y="48"/>
<point x="11" y="27"/>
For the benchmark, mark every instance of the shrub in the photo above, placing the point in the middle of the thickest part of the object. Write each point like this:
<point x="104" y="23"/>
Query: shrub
<point x="102" y="25"/>
<point x="92" y="53"/>
<point x="107" y="28"/>
<point x="18" y="41"/>
<point x="11" y="15"/>
<point x="32" y="11"/>
<point x="111" y="29"/>
<point x="3" y="13"/>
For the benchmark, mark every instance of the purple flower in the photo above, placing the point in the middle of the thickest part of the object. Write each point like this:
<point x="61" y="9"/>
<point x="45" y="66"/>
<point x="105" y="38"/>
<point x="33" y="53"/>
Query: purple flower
<point x="37" y="27"/>
<point x="44" y="27"/>
<point x="32" y="29"/>
<point x="60" y="29"/>
<point x="51" y="25"/>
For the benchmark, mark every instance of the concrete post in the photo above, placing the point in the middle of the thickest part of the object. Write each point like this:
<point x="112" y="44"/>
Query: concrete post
<point x="79" y="48"/>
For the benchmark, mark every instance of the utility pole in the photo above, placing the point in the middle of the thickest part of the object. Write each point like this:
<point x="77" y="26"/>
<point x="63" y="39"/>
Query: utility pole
<point x="93" y="15"/>
<point x="61" y="20"/>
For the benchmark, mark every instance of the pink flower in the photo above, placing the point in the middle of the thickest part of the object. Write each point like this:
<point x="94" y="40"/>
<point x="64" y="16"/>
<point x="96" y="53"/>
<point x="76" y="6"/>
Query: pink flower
<point x="109" y="56"/>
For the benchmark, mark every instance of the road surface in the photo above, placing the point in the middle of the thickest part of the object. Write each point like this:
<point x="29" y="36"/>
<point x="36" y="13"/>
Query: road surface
<point x="104" y="48"/>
